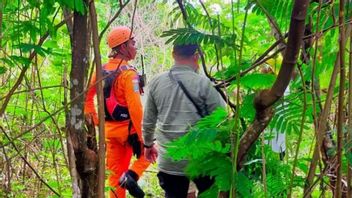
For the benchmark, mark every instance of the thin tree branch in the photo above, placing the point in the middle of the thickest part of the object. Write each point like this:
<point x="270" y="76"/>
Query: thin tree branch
<point x="322" y="122"/>
<point x="340" y="111"/>
<point x="223" y="95"/>
<point x="24" y="69"/>
<point x="314" y="64"/>
<point x="293" y="172"/>
<point x="277" y="32"/>
<point x="58" y="110"/>
<point x="46" y="111"/>
<point x="349" y="133"/>
<point x="213" y="33"/>
<point x="267" y="98"/>
<point x="1" y="16"/>
<point x="183" y="11"/>
<point x="117" y="14"/>
<point x="101" y="113"/>
<point x="263" y="58"/>
<point x="35" y="89"/>
<point x="28" y="164"/>
<point x="8" y="175"/>
<point x="69" y="23"/>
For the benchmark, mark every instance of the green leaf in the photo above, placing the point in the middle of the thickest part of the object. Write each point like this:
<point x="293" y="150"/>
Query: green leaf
<point x="76" y="5"/>
<point x="28" y="47"/>
<point x="51" y="144"/>
<point x="2" y="70"/>
<point x="51" y="44"/>
<point x="258" y="81"/>
<point x="192" y="36"/>
<point x="8" y="61"/>
<point x="80" y="6"/>
<point x="20" y="60"/>
<point x="243" y="185"/>
<point x="247" y="108"/>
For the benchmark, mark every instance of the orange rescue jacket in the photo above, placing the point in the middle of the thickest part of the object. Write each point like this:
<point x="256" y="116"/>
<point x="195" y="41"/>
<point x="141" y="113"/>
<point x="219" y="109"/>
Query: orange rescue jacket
<point x="127" y="92"/>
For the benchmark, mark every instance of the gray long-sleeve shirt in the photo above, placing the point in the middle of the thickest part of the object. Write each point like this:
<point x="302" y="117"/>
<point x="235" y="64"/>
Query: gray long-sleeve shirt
<point x="169" y="113"/>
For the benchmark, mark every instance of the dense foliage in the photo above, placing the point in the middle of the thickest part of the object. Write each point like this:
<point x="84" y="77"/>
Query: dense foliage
<point x="242" y="47"/>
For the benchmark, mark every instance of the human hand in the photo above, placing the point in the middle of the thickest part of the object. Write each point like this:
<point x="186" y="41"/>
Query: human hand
<point x="151" y="153"/>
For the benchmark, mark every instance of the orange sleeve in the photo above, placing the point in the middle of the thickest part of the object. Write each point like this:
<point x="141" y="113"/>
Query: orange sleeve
<point x="89" y="107"/>
<point x="133" y="100"/>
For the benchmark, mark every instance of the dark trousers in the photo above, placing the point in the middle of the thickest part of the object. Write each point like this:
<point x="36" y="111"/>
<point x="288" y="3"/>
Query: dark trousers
<point x="177" y="186"/>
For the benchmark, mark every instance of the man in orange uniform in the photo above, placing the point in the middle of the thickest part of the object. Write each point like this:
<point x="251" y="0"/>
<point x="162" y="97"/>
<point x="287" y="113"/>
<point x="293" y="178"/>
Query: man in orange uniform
<point x="123" y="115"/>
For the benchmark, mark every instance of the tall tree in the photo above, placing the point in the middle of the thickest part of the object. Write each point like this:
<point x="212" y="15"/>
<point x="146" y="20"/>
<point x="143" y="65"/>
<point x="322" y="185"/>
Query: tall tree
<point x="86" y="158"/>
<point x="265" y="99"/>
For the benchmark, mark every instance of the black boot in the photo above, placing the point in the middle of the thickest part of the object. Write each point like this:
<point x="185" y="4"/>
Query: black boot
<point x="128" y="180"/>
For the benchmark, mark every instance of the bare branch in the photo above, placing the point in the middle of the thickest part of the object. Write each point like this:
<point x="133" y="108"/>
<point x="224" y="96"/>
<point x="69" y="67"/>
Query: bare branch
<point x="117" y="14"/>
<point x="28" y="164"/>
<point x="23" y="72"/>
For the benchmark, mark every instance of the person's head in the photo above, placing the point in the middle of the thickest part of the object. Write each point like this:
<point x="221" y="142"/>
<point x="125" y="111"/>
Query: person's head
<point x="120" y="40"/>
<point x="186" y="54"/>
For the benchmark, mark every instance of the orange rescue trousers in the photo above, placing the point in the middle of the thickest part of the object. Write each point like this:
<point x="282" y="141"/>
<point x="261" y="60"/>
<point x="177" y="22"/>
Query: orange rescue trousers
<point x="118" y="157"/>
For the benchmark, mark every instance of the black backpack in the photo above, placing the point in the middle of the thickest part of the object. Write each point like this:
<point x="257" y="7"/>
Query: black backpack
<point x="113" y="110"/>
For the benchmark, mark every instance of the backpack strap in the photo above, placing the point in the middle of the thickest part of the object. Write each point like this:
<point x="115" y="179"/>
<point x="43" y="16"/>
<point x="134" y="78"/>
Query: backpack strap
<point x="126" y="67"/>
<point x="188" y="95"/>
<point x="113" y="110"/>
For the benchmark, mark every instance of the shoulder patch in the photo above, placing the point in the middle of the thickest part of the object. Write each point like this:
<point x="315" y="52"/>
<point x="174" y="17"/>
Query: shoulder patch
<point x="135" y="82"/>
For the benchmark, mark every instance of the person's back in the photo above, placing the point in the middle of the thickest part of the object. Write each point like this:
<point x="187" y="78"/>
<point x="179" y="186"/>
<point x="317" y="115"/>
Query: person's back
<point x="171" y="112"/>
<point x="123" y="115"/>
<point x="176" y="113"/>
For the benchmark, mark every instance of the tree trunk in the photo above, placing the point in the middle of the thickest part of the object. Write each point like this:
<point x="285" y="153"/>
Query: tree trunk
<point x="84" y="149"/>
<point x="265" y="99"/>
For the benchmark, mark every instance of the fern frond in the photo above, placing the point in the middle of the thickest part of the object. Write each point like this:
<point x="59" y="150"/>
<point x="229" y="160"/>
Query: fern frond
<point x="288" y="116"/>
<point x="278" y="9"/>
<point x="257" y="81"/>
<point x="193" y="36"/>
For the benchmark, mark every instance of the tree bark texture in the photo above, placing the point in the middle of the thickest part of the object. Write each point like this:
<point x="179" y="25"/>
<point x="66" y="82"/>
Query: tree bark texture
<point x="86" y="158"/>
<point x="266" y="98"/>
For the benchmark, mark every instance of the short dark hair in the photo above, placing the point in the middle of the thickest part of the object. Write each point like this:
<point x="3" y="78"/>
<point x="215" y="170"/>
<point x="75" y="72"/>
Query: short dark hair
<point x="186" y="50"/>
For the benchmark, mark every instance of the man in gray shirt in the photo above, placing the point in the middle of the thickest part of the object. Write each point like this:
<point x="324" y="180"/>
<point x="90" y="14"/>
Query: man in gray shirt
<point x="169" y="113"/>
